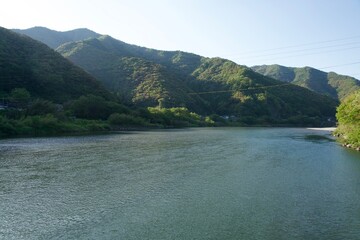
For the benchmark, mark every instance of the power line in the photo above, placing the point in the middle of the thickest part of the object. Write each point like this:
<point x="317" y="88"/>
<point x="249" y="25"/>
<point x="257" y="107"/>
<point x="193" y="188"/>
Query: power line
<point x="307" y="54"/>
<point x="340" y="65"/>
<point x="355" y="44"/>
<point x="242" y="89"/>
<point x="305" y="50"/>
<point x="294" y="46"/>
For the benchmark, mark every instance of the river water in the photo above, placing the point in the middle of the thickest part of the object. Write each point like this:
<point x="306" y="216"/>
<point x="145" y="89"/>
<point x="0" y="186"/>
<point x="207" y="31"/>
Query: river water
<point x="206" y="183"/>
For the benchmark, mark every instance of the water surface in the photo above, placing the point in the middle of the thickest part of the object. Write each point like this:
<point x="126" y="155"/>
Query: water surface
<point x="222" y="183"/>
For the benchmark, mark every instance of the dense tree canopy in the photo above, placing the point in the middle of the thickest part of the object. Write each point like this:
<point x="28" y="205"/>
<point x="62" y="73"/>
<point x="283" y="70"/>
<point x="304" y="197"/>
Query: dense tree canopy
<point x="348" y="115"/>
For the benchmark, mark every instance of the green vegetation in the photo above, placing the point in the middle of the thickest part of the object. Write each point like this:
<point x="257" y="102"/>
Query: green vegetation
<point x="260" y="100"/>
<point x="26" y="63"/>
<point x="348" y="115"/>
<point x="47" y="125"/>
<point x="330" y="84"/>
<point x="145" y="77"/>
<point x="95" y="107"/>
<point x="44" y="93"/>
<point x="177" y="117"/>
<point x="43" y="117"/>
<point x="89" y="114"/>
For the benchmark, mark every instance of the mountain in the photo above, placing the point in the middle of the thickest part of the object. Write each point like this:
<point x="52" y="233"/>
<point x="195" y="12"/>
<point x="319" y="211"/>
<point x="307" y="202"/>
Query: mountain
<point x="54" y="38"/>
<point x="149" y="77"/>
<point x="138" y="75"/>
<point x="330" y="84"/>
<point x="27" y="63"/>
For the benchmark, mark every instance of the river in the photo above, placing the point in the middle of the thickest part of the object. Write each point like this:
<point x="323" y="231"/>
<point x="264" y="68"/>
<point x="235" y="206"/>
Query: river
<point x="201" y="183"/>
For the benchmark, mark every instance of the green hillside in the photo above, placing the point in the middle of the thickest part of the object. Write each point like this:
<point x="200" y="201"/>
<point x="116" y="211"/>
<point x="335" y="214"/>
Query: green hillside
<point x="42" y="93"/>
<point x="26" y="63"/>
<point x="255" y="95"/>
<point x="143" y="77"/>
<point x="54" y="38"/>
<point x="330" y="84"/>
<point x="348" y="115"/>
<point x="147" y="77"/>
<point x="132" y="77"/>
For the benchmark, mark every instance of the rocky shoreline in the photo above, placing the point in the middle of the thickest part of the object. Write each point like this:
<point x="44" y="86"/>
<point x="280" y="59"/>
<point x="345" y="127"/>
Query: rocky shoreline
<point x="339" y="136"/>
<point x="348" y="145"/>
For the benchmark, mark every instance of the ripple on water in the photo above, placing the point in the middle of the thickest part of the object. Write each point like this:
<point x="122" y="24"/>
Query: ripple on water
<point x="223" y="183"/>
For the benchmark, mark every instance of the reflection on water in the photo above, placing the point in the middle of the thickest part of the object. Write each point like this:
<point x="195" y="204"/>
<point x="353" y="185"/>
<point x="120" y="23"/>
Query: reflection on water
<point x="223" y="183"/>
<point x="319" y="138"/>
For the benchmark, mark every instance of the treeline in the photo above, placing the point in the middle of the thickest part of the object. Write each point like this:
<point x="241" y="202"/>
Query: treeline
<point x="20" y="115"/>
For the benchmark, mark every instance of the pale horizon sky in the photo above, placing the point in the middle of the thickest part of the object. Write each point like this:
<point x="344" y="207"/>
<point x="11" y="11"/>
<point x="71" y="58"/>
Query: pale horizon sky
<point x="324" y="34"/>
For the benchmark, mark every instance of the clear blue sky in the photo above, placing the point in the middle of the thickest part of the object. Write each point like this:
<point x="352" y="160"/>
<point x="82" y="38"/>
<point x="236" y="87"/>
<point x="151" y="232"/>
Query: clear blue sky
<point x="318" y="33"/>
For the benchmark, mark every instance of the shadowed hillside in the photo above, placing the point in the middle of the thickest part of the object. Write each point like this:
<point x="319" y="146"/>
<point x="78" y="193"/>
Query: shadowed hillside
<point x="26" y="63"/>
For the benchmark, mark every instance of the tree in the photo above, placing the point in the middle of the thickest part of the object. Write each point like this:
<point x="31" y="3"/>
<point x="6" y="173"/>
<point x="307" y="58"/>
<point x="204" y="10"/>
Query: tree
<point x="41" y="107"/>
<point x="348" y="115"/>
<point x="95" y="107"/>
<point x="20" y="97"/>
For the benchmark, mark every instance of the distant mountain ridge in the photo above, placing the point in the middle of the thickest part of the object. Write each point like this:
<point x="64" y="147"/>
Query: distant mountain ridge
<point x="330" y="84"/>
<point x="149" y="77"/>
<point x="54" y="38"/>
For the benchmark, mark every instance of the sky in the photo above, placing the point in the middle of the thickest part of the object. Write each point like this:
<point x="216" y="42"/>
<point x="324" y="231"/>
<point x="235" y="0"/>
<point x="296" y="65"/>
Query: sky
<point x="324" y="34"/>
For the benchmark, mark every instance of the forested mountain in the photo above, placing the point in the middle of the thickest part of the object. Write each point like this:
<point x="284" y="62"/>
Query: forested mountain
<point x="54" y="38"/>
<point x="26" y="63"/>
<point x="43" y="93"/>
<point x="148" y="77"/>
<point x="330" y="84"/>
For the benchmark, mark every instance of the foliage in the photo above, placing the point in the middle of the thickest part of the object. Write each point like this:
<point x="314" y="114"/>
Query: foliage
<point x="348" y="115"/>
<point x="162" y="88"/>
<point x="147" y="77"/>
<point x="19" y="98"/>
<point x="177" y="117"/>
<point x="57" y="123"/>
<point x="44" y="73"/>
<point x="330" y="84"/>
<point x="94" y="107"/>
<point x="47" y="125"/>
<point x="261" y="100"/>
<point x="41" y="107"/>
<point x="20" y="95"/>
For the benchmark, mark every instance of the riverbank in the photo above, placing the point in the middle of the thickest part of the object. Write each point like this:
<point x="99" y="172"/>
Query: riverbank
<point x="346" y="141"/>
<point x="339" y="137"/>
